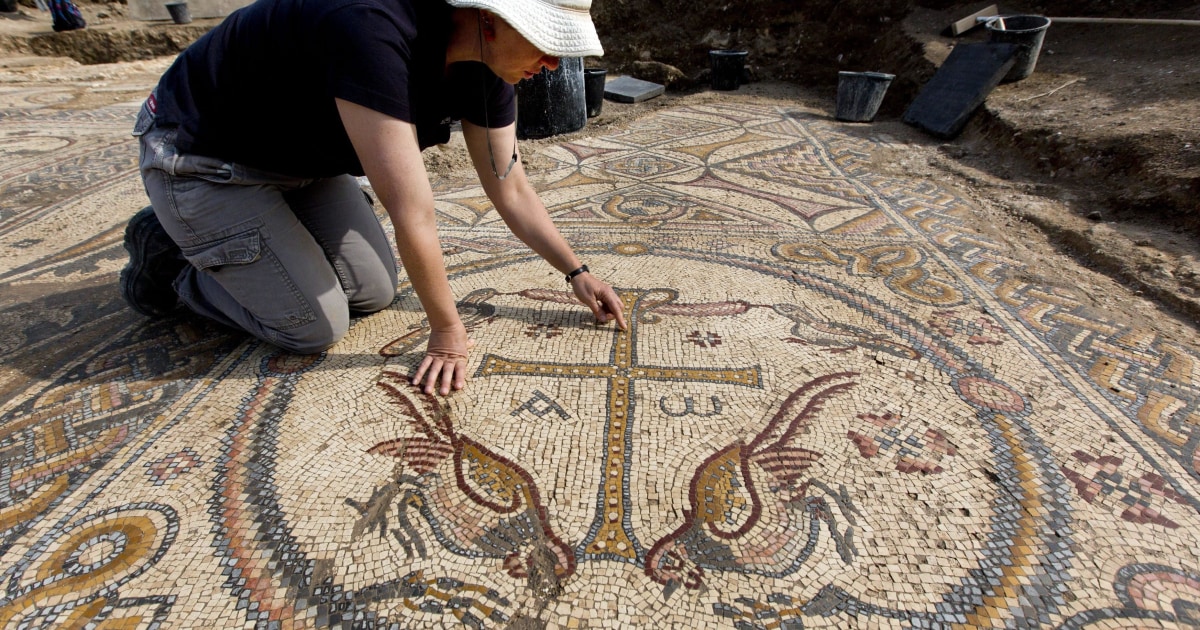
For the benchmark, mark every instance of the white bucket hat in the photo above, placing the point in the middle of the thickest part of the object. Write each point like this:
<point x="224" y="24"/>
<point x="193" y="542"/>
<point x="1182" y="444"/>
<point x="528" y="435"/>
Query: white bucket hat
<point x="562" y="28"/>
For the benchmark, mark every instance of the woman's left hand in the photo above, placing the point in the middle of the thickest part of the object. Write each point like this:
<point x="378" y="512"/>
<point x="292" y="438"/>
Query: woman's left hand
<point x="598" y="296"/>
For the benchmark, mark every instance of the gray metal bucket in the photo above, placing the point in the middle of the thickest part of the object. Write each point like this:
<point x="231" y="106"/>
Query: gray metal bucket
<point x="179" y="12"/>
<point x="1027" y="32"/>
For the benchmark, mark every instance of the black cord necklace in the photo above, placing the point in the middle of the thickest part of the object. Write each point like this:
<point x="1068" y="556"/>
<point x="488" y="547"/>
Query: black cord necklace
<point x="487" y="129"/>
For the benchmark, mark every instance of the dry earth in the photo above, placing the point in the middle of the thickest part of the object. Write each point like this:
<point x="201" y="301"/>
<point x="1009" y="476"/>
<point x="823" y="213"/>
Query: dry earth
<point x="1095" y="156"/>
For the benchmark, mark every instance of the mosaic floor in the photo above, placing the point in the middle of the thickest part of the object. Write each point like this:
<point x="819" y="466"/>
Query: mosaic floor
<point x="837" y="405"/>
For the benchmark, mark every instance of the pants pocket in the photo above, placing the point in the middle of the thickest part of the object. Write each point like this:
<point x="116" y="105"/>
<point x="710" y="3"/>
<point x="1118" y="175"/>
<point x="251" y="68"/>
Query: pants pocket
<point x="199" y="167"/>
<point x="244" y="265"/>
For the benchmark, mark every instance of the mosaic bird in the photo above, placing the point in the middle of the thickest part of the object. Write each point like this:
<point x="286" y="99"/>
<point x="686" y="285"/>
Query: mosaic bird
<point x="748" y="509"/>
<point x="477" y="502"/>
<point x="837" y="337"/>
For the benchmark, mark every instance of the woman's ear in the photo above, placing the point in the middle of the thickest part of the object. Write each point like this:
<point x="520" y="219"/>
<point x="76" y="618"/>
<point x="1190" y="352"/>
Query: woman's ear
<point x="487" y="22"/>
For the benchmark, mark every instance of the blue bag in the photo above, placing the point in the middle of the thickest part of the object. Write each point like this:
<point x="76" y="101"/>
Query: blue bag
<point x="66" y="15"/>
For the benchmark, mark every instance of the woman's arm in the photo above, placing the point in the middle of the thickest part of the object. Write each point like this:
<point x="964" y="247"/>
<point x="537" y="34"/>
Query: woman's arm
<point x="388" y="150"/>
<point x="525" y="214"/>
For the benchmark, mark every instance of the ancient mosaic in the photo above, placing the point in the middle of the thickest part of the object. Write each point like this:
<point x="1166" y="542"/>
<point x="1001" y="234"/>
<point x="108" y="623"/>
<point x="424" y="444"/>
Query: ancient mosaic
<point x="836" y="405"/>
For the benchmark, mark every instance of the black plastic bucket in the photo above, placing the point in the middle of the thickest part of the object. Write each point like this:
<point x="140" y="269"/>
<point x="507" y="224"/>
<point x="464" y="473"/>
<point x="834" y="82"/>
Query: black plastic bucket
<point x="593" y="82"/>
<point x="552" y="102"/>
<point x="179" y="12"/>
<point x="1027" y="32"/>
<point x="727" y="67"/>
<point x="859" y="95"/>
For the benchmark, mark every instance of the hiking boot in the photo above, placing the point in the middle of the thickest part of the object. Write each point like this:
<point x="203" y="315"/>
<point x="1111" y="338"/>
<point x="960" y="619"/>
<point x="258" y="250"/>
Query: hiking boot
<point x="154" y="263"/>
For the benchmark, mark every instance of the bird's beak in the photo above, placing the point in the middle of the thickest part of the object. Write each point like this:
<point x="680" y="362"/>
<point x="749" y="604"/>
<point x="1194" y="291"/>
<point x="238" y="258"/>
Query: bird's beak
<point x="670" y="588"/>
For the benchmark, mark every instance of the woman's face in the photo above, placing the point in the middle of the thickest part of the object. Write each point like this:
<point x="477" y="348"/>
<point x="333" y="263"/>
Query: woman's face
<point x="510" y="55"/>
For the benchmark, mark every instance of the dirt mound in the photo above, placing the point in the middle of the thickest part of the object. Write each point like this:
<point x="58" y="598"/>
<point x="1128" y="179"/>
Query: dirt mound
<point x="1128" y="108"/>
<point x="109" y="37"/>
<point x="787" y="40"/>
<point x="92" y="46"/>
<point x="801" y="41"/>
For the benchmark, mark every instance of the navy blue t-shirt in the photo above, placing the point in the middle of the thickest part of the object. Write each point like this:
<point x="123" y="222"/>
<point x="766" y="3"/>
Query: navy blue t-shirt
<point x="259" y="88"/>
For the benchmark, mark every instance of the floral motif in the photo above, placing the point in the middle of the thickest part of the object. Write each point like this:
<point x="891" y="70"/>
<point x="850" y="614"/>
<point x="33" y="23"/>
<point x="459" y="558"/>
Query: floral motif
<point x="1098" y="481"/>
<point x="172" y="466"/>
<point x="884" y="433"/>
<point x="979" y="331"/>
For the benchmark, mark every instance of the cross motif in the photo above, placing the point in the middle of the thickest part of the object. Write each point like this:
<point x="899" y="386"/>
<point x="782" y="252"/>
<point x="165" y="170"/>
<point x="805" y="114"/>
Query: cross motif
<point x="610" y="535"/>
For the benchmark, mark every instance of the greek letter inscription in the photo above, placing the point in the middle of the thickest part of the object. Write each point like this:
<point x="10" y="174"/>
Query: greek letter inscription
<point x="689" y="407"/>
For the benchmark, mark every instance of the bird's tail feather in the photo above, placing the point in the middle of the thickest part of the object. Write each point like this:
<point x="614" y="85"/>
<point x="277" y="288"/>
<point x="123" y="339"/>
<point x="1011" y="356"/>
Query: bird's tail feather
<point x="783" y="425"/>
<point x="420" y="421"/>
<point x="421" y="454"/>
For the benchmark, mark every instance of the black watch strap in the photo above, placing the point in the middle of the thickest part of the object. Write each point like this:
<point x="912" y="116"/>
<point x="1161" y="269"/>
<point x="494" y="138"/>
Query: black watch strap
<point x="571" y="276"/>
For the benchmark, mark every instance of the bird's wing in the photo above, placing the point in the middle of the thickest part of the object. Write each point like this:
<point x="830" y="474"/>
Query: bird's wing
<point x="439" y="428"/>
<point x="723" y="494"/>
<point x="492" y="480"/>
<point x="785" y="465"/>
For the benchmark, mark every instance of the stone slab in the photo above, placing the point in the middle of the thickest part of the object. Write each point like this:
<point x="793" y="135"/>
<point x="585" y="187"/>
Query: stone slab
<point x="971" y="22"/>
<point x="626" y="89"/>
<point x="968" y="75"/>
<point x="151" y="10"/>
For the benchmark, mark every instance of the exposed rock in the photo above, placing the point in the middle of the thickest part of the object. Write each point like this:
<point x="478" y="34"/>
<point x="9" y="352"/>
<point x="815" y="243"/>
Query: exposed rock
<point x="765" y="43"/>
<point x="661" y="73"/>
<point x="716" y="39"/>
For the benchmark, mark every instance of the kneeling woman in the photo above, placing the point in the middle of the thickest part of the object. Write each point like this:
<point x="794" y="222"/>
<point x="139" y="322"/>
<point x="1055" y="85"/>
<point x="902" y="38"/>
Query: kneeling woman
<point x="251" y="141"/>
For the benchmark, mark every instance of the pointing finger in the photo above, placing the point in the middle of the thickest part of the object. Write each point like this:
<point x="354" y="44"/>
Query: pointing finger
<point x="614" y="306"/>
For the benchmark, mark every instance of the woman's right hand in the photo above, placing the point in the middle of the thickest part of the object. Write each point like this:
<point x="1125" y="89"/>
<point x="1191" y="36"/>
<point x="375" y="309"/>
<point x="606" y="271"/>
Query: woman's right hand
<point x="445" y="364"/>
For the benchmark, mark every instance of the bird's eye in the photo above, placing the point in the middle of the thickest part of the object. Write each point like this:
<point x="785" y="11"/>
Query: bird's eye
<point x="672" y="561"/>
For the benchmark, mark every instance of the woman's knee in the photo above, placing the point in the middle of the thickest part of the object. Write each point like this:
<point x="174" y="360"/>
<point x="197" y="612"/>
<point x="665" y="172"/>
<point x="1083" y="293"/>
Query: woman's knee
<point x="371" y="285"/>
<point x="375" y="295"/>
<point x="323" y="332"/>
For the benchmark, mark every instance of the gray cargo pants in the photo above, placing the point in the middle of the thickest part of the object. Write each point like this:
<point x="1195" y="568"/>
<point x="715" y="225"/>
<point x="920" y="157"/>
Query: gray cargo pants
<point x="287" y="260"/>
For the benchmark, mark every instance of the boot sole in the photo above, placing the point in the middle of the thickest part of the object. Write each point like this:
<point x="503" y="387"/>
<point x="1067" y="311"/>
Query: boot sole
<point x="134" y="234"/>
